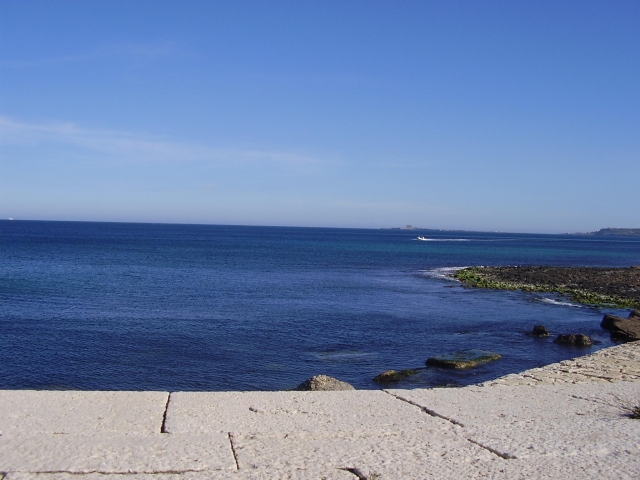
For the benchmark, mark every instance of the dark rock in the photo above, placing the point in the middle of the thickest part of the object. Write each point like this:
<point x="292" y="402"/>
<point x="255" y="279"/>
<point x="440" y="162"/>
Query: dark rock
<point x="323" y="383"/>
<point x="391" y="376"/>
<point x="578" y="339"/>
<point x="625" y="329"/>
<point x="609" y="321"/>
<point x="540" y="331"/>
<point x="463" y="359"/>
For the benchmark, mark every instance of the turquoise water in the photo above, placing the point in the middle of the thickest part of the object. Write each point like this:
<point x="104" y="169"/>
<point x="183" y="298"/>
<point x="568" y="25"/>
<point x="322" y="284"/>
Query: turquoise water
<point x="194" y="307"/>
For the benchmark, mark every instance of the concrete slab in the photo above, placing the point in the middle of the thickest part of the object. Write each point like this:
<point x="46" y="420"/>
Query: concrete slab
<point x="391" y="455"/>
<point x="124" y="454"/>
<point x="272" y="412"/>
<point x="541" y="420"/>
<point x="615" y="465"/>
<point x="619" y="363"/>
<point x="80" y="412"/>
<point x="310" y="473"/>
<point x="569" y="423"/>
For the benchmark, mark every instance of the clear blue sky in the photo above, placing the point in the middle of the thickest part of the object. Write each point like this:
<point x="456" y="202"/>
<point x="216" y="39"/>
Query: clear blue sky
<point x="482" y="115"/>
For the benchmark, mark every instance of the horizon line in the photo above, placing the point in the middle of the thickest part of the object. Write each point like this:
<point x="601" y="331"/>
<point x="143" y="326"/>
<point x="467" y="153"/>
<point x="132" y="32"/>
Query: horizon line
<point x="403" y="229"/>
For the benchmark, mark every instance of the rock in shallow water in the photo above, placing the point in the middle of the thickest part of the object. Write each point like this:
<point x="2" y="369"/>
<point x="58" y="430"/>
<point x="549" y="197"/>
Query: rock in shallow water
<point x="324" y="383"/>
<point x="392" y="376"/>
<point x="578" y="339"/>
<point x="626" y="329"/>
<point x="463" y="359"/>
<point x="540" y="331"/>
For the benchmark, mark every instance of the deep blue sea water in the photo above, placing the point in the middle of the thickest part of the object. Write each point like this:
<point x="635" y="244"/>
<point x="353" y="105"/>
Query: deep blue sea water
<point x="193" y="307"/>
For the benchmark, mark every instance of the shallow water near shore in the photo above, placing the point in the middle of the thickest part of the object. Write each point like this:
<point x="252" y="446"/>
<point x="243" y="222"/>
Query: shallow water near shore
<point x="107" y="306"/>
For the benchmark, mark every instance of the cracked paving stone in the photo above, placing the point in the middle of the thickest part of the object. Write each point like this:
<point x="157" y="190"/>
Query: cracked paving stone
<point x="542" y="420"/>
<point x="270" y="412"/>
<point x="401" y="454"/>
<point x="615" y="465"/>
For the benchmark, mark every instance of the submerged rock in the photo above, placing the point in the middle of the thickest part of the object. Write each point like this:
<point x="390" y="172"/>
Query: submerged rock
<point x="463" y="359"/>
<point x="579" y="339"/>
<point x="391" y="376"/>
<point x="324" y="383"/>
<point x="540" y="331"/>
<point x="625" y="329"/>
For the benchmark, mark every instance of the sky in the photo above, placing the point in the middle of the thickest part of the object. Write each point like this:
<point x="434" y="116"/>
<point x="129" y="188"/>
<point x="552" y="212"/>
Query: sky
<point x="474" y="115"/>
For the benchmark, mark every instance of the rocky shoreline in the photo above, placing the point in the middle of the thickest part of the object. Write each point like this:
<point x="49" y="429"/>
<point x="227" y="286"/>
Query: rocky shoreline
<point x="608" y="287"/>
<point x="595" y="286"/>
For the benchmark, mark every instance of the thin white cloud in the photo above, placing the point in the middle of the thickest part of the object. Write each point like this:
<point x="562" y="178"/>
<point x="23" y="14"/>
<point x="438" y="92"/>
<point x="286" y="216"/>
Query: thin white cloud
<point x="393" y="206"/>
<point x="128" y="146"/>
<point x="140" y="51"/>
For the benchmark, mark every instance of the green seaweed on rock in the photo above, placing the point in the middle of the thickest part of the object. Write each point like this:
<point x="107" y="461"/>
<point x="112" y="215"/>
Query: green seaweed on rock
<point x="463" y="359"/>
<point x="475" y="277"/>
<point x="392" y="376"/>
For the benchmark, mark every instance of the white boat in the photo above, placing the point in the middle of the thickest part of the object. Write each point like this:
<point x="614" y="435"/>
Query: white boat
<point x="423" y="239"/>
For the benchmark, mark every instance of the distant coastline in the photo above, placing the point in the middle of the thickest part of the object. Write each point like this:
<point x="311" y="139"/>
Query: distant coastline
<point x="609" y="231"/>
<point x="624" y="232"/>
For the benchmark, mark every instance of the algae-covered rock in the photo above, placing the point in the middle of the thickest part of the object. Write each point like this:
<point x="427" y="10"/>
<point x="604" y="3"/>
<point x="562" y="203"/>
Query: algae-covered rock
<point x="463" y="359"/>
<point x="596" y="286"/>
<point x="324" y="383"/>
<point x="578" y="339"/>
<point x="392" y="376"/>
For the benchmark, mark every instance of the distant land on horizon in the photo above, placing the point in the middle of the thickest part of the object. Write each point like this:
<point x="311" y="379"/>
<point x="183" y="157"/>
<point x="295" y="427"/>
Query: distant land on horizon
<point x="617" y="231"/>
<point x="609" y="231"/>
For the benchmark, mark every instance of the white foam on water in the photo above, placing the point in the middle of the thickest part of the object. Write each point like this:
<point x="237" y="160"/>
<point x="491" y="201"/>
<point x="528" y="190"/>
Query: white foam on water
<point x="443" y="273"/>
<point x="551" y="301"/>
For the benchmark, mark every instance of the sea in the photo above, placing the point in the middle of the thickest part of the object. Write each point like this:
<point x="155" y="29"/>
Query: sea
<point x="126" y="306"/>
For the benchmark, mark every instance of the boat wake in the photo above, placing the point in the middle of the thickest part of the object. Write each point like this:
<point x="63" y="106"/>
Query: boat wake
<point x="425" y="239"/>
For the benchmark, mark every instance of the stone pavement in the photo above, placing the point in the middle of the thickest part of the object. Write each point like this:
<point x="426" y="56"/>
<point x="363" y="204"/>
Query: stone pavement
<point x="564" y="421"/>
